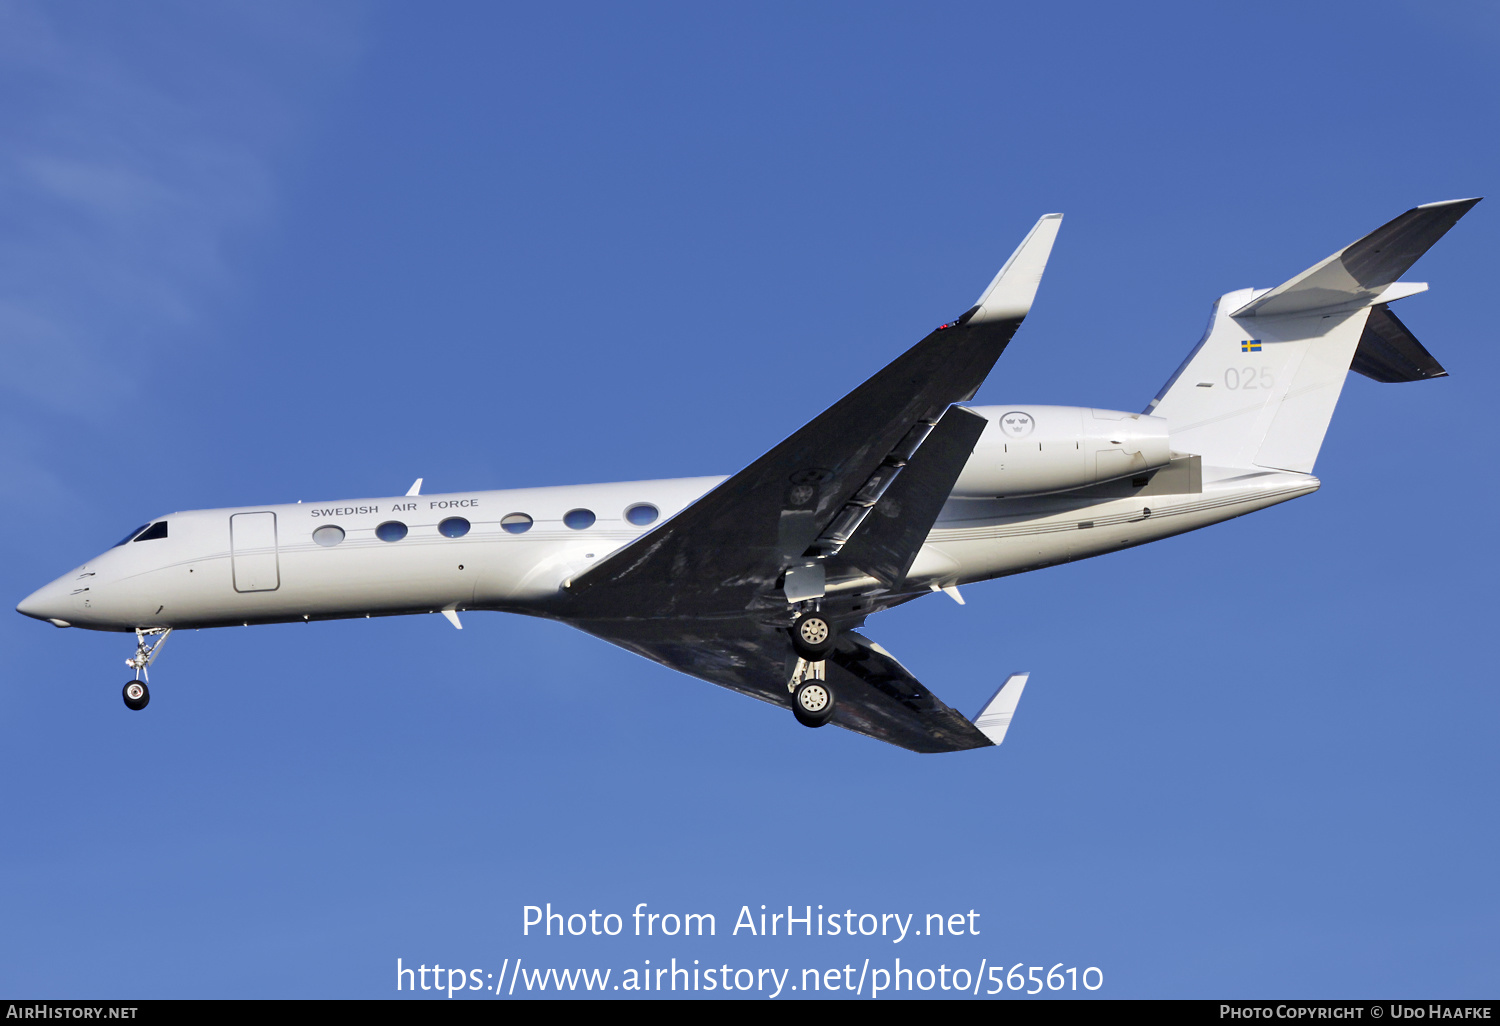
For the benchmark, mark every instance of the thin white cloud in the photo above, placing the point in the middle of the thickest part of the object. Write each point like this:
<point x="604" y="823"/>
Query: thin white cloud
<point x="137" y="143"/>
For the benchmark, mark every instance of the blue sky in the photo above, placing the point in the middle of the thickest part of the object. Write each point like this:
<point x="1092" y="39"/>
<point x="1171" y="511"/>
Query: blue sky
<point x="260" y="253"/>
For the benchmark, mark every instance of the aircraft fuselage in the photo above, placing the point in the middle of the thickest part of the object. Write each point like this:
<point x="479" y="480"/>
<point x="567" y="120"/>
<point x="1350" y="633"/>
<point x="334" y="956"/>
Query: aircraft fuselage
<point x="262" y="564"/>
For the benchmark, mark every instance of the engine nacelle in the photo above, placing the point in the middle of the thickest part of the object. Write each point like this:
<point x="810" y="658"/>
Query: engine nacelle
<point x="1034" y="450"/>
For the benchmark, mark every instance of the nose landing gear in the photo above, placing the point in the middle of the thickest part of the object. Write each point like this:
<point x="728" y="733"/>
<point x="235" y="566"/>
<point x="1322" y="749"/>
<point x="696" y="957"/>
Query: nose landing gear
<point x="148" y="642"/>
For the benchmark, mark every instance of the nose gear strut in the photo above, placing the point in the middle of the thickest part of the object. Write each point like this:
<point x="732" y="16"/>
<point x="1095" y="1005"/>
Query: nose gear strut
<point x="148" y="642"/>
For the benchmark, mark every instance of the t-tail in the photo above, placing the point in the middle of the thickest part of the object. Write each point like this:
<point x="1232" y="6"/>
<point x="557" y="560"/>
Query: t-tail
<point x="1260" y="388"/>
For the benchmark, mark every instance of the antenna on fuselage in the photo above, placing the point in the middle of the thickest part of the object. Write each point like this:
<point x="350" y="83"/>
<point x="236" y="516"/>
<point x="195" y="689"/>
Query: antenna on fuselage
<point x="416" y="487"/>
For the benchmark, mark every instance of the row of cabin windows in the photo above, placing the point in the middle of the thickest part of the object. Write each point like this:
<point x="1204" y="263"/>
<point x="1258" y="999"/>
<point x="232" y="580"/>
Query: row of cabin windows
<point x="641" y="514"/>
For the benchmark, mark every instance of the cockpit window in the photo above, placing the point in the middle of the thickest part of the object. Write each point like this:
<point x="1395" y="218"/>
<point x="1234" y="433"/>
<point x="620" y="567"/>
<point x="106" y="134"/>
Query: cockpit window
<point x="133" y="532"/>
<point x="156" y="530"/>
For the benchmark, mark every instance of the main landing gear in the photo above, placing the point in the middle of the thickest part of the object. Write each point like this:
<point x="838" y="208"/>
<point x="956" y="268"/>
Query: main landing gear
<point x="813" y="701"/>
<point x="148" y="642"/>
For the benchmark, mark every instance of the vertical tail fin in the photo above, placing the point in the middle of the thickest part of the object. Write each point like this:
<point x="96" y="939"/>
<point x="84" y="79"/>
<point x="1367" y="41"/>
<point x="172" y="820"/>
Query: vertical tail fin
<point x="1261" y="386"/>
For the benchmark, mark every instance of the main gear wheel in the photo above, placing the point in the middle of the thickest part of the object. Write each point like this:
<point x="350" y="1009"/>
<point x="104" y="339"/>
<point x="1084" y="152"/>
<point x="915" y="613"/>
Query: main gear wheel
<point x="813" y="703"/>
<point x="813" y="637"/>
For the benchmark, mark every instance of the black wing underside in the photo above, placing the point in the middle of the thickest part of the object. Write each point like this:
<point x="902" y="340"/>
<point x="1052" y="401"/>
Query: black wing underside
<point x="877" y="696"/>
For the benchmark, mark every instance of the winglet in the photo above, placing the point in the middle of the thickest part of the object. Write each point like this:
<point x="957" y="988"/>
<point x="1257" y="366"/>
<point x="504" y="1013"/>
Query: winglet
<point x="994" y="719"/>
<point x="1010" y="295"/>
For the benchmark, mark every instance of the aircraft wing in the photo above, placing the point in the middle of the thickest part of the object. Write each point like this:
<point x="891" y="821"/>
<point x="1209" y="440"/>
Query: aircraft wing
<point x="725" y="553"/>
<point x="877" y="696"/>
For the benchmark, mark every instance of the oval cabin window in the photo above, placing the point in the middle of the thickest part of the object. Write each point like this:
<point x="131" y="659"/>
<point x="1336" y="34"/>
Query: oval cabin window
<point x="391" y="531"/>
<point x="642" y="513"/>
<point x="515" y="523"/>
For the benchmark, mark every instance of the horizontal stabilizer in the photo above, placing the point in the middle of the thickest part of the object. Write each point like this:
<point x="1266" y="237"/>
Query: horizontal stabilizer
<point x="994" y="719"/>
<point x="1360" y="272"/>
<point x="1388" y="351"/>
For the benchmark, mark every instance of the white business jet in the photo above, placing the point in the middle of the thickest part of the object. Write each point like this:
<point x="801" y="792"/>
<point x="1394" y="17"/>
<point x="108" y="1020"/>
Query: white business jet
<point x="758" y="582"/>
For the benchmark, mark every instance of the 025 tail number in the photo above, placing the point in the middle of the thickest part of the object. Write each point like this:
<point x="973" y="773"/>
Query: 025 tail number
<point x="1250" y="377"/>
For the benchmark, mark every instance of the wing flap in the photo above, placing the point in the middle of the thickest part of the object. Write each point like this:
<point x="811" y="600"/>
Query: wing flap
<point x="891" y="536"/>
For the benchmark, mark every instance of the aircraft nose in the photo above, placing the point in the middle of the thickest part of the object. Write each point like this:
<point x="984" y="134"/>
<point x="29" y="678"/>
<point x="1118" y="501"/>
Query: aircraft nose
<point x="47" y="603"/>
